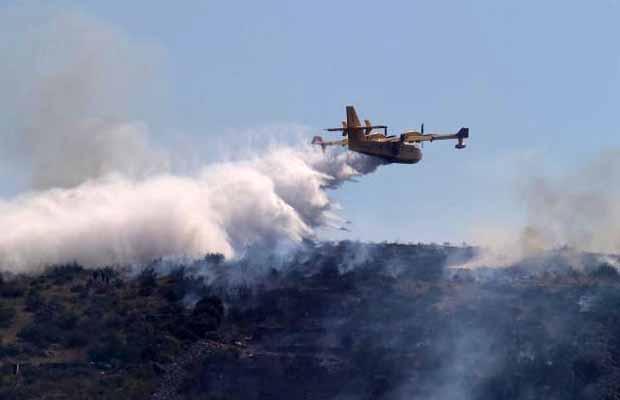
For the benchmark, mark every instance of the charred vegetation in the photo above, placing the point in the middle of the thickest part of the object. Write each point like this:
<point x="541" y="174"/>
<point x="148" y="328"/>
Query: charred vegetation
<point x="334" y="320"/>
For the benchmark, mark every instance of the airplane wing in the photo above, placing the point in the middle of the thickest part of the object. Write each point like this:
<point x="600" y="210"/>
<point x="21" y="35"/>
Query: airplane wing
<point x="417" y="137"/>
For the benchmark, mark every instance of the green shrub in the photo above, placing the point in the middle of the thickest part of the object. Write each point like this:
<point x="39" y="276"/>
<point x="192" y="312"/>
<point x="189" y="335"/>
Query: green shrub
<point x="8" y="350"/>
<point x="207" y="315"/>
<point x="214" y="258"/>
<point x="12" y="289"/>
<point x="114" y="348"/>
<point x="53" y="323"/>
<point x="34" y="301"/>
<point x="147" y="280"/>
<point x="605" y="271"/>
<point x="77" y="338"/>
<point x="64" y="273"/>
<point x="7" y="315"/>
<point x="40" y="334"/>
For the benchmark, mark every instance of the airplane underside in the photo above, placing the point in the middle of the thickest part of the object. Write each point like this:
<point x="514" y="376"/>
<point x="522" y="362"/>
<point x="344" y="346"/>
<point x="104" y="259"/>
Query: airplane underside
<point x="412" y="155"/>
<point x="392" y="160"/>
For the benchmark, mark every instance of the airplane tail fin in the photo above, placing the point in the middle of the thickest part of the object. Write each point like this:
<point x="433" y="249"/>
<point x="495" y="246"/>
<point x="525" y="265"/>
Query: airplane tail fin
<point x="317" y="140"/>
<point x="462" y="134"/>
<point x="352" y="119"/>
<point x="354" y="127"/>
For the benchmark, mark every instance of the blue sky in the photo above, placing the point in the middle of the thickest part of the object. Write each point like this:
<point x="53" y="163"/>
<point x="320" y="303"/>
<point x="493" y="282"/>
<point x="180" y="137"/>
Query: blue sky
<point x="535" y="81"/>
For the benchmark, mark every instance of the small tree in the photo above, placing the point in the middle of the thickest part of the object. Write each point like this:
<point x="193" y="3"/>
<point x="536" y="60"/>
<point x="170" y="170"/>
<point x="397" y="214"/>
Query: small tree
<point x="207" y="315"/>
<point x="7" y="315"/>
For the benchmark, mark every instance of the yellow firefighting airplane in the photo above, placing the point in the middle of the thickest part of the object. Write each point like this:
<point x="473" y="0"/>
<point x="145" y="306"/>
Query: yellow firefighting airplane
<point x="397" y="149"/>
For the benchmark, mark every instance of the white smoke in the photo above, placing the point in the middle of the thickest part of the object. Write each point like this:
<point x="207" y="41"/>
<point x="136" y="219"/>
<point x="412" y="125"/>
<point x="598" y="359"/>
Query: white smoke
<point x="101" y="193"/>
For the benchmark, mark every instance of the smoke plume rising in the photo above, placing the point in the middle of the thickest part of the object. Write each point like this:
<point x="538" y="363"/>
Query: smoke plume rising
<point x="579" y="210"/>
<point x="71" y="86"/>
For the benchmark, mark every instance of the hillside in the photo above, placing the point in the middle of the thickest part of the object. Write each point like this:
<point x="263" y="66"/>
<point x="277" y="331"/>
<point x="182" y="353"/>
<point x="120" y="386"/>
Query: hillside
<point x="336" y="320"/>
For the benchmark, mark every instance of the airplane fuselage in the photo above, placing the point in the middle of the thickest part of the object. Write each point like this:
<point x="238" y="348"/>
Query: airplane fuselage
<point x="391" y="151"/>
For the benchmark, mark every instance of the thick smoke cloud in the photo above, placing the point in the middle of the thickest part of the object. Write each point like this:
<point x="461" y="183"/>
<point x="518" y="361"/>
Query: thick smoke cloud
<point x="101" y="193"/>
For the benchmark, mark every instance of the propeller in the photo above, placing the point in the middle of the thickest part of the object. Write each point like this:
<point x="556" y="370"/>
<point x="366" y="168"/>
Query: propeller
<point x="422" y="132"/>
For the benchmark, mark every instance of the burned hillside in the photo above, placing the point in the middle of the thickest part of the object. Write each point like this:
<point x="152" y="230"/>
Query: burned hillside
<point x="340" y="320"/>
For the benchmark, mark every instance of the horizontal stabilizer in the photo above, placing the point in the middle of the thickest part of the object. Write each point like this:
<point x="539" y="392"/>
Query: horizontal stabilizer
<point x="318" y="140"/>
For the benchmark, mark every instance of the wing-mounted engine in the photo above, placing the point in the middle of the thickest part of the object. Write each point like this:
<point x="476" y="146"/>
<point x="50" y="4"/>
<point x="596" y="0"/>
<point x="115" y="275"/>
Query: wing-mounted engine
<point x="368" y="126"/>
